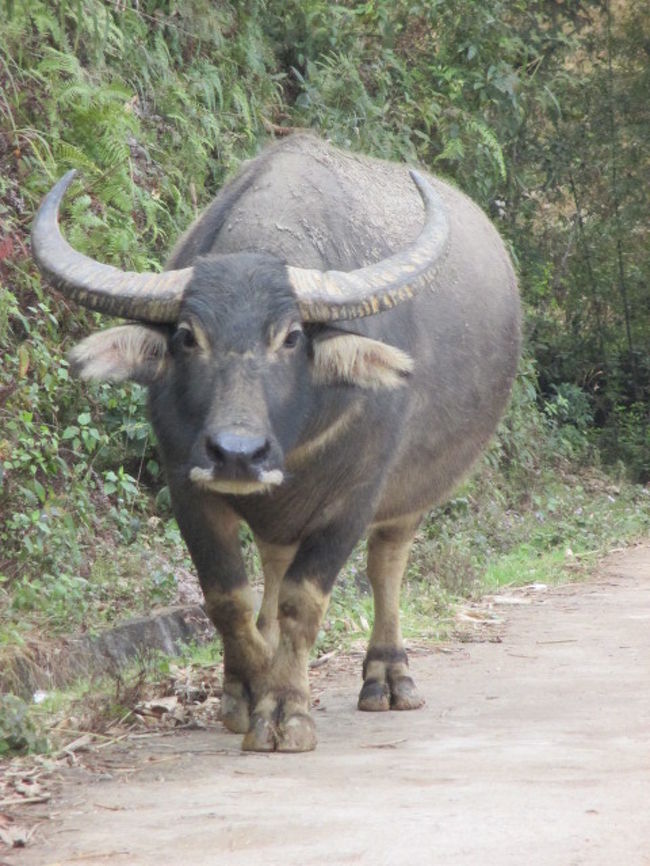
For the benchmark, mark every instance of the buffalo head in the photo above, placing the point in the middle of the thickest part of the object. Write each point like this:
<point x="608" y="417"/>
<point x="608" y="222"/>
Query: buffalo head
<point x="236" y="347"/>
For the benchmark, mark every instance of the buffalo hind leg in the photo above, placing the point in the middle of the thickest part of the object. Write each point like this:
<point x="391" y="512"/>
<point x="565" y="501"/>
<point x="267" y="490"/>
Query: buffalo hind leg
<point x="386" y="681"/>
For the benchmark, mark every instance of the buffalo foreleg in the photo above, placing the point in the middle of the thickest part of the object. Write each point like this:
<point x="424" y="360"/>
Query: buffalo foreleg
<point x="247" y="657"/>
<point x="276" y="559"/>
<point x="386" y="681"/>
<point x="281" y="719"/>
<point x="246" y="652"/>
<point x="211" y="531"/>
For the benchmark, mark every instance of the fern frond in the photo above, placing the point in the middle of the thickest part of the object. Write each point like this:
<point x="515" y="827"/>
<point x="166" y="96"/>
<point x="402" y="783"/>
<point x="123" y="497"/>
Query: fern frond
<point x="490" y="142"/>
<point x="59" y="62"/>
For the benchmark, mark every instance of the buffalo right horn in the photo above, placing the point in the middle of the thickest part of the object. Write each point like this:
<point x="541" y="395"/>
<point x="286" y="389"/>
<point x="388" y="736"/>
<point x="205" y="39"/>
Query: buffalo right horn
<point x="146" y="297"/>
<point x="330" y="295"/>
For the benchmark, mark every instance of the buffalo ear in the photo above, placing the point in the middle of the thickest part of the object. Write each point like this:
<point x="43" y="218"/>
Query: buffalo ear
<point x="350" y="359"/>
<point x="135" y="352"/>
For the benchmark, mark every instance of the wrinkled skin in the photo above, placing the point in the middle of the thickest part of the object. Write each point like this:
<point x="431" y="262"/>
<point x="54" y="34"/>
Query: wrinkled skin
<point x="315" y="435"/>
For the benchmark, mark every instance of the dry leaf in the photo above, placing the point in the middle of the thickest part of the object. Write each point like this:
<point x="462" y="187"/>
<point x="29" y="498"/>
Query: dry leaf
<point x="158" y="706"/>
<point x="510" y="599"/>
<point x="23" y="360"/>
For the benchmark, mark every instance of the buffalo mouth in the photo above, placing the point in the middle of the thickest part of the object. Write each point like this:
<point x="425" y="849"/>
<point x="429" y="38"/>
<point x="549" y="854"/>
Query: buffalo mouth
<point x="208" y="479"/>
<point x="237" y="459"/>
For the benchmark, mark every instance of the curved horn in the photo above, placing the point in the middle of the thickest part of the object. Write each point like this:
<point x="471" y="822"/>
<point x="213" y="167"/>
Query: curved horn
<point x="327" y="295"/>
<point x="148" y="297"/>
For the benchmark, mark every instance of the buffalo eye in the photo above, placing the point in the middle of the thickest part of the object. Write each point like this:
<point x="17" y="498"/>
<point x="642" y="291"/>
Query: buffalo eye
<point x="292" y="338"/>
<point x="184" y="338"/>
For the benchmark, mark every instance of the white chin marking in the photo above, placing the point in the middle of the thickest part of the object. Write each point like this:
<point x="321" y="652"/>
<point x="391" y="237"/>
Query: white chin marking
<point x="272" y="477"/>
<point x="262" y="484"/>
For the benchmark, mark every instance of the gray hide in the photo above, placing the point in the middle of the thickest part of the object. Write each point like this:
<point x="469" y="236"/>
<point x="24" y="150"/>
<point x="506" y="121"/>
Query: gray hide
<point x="320" y="207"/>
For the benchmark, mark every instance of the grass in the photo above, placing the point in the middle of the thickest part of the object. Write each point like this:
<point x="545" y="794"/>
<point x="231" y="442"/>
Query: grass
<point x="525" y="565"/>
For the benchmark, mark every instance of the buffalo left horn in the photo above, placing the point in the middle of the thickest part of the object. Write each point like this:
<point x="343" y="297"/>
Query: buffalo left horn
<point x="329" y="295"/>
<point x="147" y="297"/>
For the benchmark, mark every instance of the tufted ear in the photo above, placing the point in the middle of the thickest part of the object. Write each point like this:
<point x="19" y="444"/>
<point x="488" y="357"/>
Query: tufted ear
<point x="342" y="358"/>
<point x="136" y="352"/>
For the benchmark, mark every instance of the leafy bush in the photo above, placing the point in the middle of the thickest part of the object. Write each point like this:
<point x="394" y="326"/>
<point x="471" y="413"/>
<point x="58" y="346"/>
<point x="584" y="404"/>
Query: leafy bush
<point x="19" y="733"/>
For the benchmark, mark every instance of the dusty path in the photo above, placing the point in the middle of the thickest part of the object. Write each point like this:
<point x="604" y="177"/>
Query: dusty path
<point x="535" y="750"/>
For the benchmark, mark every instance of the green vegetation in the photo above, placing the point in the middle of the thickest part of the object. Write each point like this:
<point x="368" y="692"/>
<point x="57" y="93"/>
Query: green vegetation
<point x="19" y="731"/>
<point x="537" y="109"/>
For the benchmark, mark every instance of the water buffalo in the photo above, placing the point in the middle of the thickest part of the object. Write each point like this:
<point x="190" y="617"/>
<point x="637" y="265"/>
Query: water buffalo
<point x="325" y="358"/>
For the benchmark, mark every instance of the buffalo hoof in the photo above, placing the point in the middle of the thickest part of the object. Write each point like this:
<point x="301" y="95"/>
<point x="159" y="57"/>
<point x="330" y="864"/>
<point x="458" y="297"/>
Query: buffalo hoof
<point x="279" y="728"/>
<point x="374" y="697"/>
<point x="387" y="685"/>
<point x="404" y="694"/>
<point x="400" y="693"/>
<point x="234" y="710"/>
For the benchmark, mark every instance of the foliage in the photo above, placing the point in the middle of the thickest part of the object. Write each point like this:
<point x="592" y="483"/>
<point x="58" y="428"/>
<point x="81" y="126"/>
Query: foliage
<point x="19" y="733"/>
<point x="536" y="109"/>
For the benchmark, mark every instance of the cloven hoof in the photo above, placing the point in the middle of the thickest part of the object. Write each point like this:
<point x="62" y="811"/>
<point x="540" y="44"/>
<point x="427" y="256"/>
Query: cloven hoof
<point x="234" y="710"/>
<point x="297" y="733"/>
<point x="399" y="693"/>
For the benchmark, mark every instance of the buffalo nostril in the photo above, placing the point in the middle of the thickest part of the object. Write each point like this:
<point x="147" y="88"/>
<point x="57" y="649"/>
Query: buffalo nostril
<point x="228" y="450"/>
<point x="215" y="453"/>
<point x="262" y="452"/>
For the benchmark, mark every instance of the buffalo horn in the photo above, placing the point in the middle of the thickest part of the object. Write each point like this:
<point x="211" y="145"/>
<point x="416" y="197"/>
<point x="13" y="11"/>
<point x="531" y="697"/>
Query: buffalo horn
<point x="329" y="295"/>
<point x="147" y="297"/>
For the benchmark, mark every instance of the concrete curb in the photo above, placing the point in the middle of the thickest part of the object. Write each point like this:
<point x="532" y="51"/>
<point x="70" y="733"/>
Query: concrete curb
<point x="37" y="667"/>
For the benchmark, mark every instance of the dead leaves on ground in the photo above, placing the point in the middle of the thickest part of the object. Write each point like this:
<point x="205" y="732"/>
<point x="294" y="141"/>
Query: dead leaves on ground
<point x="186" y="697"/>
<point x="20" y="785"/>
<point x="481" y="622"/>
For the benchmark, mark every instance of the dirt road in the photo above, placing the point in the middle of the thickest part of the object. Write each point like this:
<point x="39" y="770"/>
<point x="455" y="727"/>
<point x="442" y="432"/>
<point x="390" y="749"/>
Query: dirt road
<point x="534" y="750"/>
